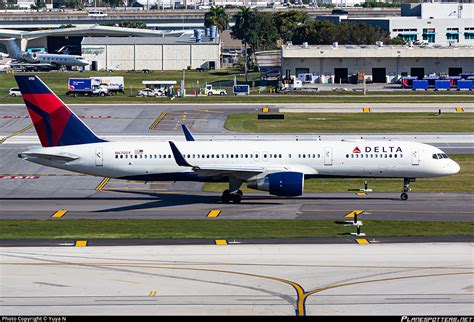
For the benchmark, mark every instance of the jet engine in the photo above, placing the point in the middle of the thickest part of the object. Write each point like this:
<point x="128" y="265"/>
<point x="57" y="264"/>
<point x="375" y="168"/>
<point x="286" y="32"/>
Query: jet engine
<point x="288" y="184"/>
<point x="30" y="57"/>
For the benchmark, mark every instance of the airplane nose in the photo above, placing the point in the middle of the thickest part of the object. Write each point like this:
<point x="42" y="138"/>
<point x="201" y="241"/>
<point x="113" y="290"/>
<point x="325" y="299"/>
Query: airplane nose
<point x="453" y="167"/>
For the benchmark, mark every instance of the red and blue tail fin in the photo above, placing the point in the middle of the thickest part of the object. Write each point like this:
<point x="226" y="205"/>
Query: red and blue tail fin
<point x="55" y="123"/>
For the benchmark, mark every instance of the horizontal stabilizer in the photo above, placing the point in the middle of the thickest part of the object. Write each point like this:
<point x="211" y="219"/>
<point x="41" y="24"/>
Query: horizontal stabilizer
<point x="52" y="157"/>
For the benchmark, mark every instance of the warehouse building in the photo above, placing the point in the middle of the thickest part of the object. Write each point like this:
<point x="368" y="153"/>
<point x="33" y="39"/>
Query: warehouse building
<point x="380" y="64"/>
<point x="152" y="53"/>
<point x="445" y="24"/>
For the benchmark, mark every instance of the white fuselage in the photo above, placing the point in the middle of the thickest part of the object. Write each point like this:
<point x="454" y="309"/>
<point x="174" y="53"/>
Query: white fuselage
<point x="150" y="161"/>
<point x="60" y="59"/>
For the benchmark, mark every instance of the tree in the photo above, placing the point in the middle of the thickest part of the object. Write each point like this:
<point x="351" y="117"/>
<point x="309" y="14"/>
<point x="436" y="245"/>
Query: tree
<point x="216" y="16"/>
<point x="127" y="24"/>
<point x="240" y="30"/>
<point x="316" y="33"/>
<point x="345" y="33"/>
<point x="286" y="22"/>
<point x="39" y="4"/>
<point x="256" y="30"/>
<point x="132" y="24"/>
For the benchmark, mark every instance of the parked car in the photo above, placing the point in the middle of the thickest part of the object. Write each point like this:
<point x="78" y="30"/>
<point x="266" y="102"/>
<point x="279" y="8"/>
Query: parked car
<point x="14" y="92"/>
<point x="271" y="75"/>
<point x="150" y="92"/>
<point x="97" y="13"/>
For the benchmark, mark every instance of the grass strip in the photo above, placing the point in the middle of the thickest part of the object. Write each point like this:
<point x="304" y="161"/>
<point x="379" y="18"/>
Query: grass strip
<point x="220" y="229"/>
<point x="251" y="99"/>
<point x="353" y="123"/>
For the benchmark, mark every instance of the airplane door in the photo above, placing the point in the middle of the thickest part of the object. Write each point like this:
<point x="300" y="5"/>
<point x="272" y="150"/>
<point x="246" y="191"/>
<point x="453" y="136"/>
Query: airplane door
<point x="415" y="158"/>
<point x="99" y="161"/>
<point x="327" y="155"/>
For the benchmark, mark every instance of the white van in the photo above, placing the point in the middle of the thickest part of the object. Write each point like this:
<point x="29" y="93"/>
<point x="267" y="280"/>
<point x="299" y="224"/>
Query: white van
<point x="97" y="13"/>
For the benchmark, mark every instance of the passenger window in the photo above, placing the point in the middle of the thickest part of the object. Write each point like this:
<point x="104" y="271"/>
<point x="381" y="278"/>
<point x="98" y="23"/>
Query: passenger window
<point x="395" y="156"/>
<point x="116" y="156"/>
<point x="289" y="156"/>
<point x="121" y="156"/>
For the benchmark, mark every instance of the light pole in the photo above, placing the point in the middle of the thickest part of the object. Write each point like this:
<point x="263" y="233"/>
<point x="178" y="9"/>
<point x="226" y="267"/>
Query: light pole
<point x="183" y="89"/>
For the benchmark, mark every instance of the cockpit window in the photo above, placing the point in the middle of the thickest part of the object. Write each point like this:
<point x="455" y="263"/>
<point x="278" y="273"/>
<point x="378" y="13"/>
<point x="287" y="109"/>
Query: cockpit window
<point x="440" y="156"/>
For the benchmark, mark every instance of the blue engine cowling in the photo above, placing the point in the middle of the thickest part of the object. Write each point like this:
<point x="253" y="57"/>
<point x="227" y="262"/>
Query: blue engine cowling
<point x="288" y="184"/>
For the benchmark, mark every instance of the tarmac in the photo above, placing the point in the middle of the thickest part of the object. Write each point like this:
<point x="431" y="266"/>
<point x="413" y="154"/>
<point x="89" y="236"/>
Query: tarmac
<point x="375" y="279"/>
<point x="314" y="276"/>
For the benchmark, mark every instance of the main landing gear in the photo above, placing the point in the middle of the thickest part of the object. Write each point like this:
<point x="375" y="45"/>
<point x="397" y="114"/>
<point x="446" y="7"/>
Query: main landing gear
<point x="406" y="187"/>
<point x="235" y="197"/>
<point x="234" y="193"/>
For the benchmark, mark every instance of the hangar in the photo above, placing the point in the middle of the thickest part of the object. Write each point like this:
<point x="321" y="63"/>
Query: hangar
<point x="152" y="53"/>
<point x="381" y="64"/>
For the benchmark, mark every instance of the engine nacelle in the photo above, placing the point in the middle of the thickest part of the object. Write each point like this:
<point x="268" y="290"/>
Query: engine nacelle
<point x="30" y="57"/>
<point x="288" y="184"/>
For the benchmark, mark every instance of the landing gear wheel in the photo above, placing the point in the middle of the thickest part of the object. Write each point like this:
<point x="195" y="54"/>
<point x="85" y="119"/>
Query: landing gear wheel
<point x="236" y="198"/>
<point x="404" y="196"/>
<point x="226" y="196"/>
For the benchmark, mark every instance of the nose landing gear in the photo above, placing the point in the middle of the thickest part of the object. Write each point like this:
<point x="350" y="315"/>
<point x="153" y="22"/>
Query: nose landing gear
<point x="406" y="187"/>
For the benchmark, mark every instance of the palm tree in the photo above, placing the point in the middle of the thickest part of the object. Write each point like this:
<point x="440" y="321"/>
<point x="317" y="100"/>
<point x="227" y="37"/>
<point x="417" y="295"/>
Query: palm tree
<point x="217" y="17"/>
<point x="241" y="30"/>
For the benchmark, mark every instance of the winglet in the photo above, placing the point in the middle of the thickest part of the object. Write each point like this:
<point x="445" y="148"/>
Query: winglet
<point x="187" y="133"/>
<point x="178" y="157"/>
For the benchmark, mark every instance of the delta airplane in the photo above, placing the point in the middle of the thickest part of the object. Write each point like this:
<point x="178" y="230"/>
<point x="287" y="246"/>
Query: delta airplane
<point x="279" y="167"/>
<point x="35" y="60"/>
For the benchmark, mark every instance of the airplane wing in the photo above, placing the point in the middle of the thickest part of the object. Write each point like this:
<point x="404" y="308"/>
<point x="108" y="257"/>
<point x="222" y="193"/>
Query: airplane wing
<point x="30" y="65"/>
<point x="239" y="171"/>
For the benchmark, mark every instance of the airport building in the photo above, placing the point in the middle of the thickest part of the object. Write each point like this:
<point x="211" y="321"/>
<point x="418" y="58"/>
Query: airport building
<point x="152" y="53"/>
<point x="444" y="24"/>
<point x="380" y="64"/>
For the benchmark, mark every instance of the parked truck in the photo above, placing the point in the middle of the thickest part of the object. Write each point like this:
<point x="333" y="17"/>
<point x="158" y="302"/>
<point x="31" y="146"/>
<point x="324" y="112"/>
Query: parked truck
<point x="115" y="84"/>
<point x="208" y="90"/>
<point x="86" y="87"/>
